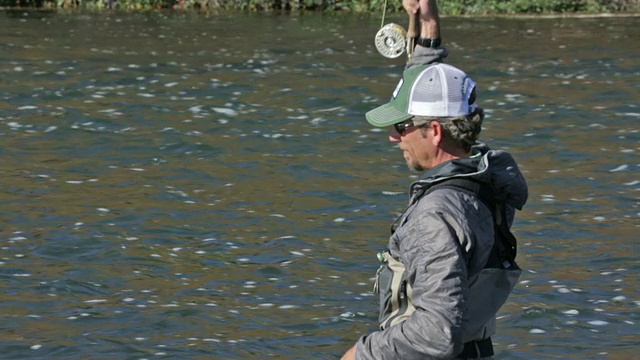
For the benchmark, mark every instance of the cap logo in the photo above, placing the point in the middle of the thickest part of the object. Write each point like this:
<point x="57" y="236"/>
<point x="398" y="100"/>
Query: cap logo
<point x="397" y="90"/>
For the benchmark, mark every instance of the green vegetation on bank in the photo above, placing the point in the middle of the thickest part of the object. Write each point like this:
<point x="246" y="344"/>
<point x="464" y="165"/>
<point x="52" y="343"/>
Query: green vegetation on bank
<point x="447" y="7"/>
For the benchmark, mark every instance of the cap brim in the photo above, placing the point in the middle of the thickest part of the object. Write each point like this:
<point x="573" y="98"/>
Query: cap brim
<point x="386" y="115"/>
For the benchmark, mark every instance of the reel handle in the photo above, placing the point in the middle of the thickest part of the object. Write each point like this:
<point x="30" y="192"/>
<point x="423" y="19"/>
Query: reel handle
<point x="412" y="33"/>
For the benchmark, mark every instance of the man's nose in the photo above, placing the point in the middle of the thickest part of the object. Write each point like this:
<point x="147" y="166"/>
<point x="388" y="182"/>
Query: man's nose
<point x="394" y="136"/>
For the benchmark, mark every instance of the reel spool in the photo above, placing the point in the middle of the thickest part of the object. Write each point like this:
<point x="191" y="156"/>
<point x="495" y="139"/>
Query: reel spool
<point x="391" y="41"/>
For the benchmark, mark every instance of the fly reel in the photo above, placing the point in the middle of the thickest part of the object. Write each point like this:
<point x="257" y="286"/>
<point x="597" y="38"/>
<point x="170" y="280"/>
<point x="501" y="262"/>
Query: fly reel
<point x="391" y="41"/>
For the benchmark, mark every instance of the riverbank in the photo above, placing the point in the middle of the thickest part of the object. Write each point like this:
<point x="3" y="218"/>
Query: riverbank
<point x="547" y="8"/>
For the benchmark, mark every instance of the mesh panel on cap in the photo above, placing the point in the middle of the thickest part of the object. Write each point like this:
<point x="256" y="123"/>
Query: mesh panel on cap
<point x="440" y="90"/>
<point x="455" y="91"/>
<point x="429" y="87"/>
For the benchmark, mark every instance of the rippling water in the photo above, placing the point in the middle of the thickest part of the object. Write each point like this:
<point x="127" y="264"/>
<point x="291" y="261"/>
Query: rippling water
<point x="192" y="186"/>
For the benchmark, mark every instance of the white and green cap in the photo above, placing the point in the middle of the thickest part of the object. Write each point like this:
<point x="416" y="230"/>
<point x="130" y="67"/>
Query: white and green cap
<point x="439" y="90"/>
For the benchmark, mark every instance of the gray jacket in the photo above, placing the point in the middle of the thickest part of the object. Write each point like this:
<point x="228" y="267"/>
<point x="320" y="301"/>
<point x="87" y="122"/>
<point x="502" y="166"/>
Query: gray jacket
<point x="440" y="246"/>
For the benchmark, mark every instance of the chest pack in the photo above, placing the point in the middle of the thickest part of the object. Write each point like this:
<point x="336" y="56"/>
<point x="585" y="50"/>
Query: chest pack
<point x="505" y="247"/>
<point x="500" y="271"/>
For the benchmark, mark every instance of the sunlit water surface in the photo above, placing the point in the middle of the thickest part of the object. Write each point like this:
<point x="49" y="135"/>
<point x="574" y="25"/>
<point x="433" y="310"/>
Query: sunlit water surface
<point x="192" y="186"/>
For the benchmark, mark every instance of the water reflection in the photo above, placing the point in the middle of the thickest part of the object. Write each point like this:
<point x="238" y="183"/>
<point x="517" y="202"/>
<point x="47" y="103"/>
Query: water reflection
<point x="171" y="188"/>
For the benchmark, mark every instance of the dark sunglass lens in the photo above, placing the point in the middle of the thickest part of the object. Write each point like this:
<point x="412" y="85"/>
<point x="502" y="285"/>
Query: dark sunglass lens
<point x="401" y="127"/>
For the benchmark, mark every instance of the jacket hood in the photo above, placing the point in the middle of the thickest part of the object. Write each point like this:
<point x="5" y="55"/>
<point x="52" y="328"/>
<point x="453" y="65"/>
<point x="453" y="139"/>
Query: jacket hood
<point x="495" y="168"/>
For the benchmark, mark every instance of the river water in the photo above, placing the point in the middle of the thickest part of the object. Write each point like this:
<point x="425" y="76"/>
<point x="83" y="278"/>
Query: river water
<point x="192" y="186"/>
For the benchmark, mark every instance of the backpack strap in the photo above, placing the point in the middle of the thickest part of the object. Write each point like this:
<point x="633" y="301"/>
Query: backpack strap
<point x="505" y="247"/>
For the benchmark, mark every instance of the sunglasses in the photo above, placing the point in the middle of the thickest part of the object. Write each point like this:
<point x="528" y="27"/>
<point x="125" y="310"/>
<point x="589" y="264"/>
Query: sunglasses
<point x="401" y="127"/>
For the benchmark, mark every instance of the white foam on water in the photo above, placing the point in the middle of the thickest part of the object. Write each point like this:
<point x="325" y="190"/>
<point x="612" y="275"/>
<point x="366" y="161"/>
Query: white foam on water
<point x="317" y="121"/>
<point x="564" y="290"/>
<point x="581" y="200"/>
<point x="225" y="111"/>
<point x="598" y="323"/>
<point x="620" y="168"/>
<point x="287" y="307"/>
<point x="547" y="198"/>
<point x="95" y="301"/>
<point x="514" y="97"/>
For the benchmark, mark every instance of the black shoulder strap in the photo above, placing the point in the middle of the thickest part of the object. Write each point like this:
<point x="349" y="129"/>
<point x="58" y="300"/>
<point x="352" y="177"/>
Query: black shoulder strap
<point x="505" y="247"/>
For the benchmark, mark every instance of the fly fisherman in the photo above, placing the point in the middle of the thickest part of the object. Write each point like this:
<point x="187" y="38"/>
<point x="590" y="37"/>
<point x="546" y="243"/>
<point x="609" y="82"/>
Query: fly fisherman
<point x="450" y="263"/>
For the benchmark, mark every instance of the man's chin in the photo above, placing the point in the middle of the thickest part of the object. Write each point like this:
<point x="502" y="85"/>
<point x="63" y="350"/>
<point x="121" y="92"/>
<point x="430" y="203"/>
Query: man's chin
<point x="414" y="167"/>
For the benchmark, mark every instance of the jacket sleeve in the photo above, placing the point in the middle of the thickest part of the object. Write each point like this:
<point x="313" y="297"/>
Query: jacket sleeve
<point x="436" y="269"/>
<point x="425" y="56"/>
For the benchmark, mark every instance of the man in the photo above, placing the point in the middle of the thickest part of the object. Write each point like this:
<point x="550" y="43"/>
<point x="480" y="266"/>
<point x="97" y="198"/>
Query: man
<point x="450" y="263"/>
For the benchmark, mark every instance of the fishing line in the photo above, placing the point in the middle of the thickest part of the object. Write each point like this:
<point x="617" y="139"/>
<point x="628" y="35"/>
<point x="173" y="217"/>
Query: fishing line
<point x="384" y="11"/>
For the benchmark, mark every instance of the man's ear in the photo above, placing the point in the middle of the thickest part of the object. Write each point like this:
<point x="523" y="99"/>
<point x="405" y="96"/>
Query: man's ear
<point x="438" y="132"/>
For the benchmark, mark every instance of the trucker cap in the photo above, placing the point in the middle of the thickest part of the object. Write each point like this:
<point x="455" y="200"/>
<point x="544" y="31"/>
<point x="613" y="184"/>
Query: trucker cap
<point x="439" y="90"/>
